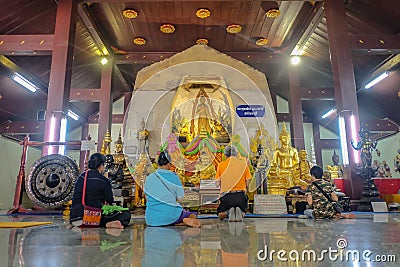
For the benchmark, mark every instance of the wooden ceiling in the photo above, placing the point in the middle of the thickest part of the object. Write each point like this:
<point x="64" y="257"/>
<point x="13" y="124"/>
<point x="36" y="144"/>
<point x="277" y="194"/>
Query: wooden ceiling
<point x="301" y="28"/>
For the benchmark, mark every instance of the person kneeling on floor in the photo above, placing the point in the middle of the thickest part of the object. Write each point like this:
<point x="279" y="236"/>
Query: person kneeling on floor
<point x="164" y="192"/>
<point x="97" y="194"/>
<point x="233" y="176"/>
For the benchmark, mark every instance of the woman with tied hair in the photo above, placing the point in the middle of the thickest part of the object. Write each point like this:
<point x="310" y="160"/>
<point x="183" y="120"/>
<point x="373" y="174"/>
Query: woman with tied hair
<point x="98" y="193"/>
<point x="164" y="193"/>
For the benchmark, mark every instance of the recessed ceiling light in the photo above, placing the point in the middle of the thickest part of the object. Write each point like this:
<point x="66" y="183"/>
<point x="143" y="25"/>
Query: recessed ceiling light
<point x="167" y="28"/>
<point x="233" y="28"/>
<point x="130" y="13"/>
<point x="295" y="60"/>
<point x="203" y="13"/>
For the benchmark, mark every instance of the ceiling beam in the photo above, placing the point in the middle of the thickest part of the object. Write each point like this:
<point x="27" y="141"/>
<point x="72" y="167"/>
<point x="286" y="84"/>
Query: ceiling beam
<point x="183" y="1"/>
<point x="116" y="118"/>
<point x="89" y="95"/>
<point x="13" y="68"/>
<point x="381" y="126"/>
<point x="317" y="93"/>
<point x="388" y="65"/>
<point x="312" y="22"/>
<point x="330" y="143"/>
<point x="376" y="43"/>
<point x="94" y="32"/>
<point x="151" y="57"/>
<point x="285" y="117"/>
<point x="11" y="44"/>
<point x="22" y="127"/>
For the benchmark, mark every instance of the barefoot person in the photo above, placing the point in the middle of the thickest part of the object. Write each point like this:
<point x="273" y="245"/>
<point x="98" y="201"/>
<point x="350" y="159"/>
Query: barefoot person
<point x="98" y="193"/>
<point x="164" y="192"/>
<point x="323" y="208"/>
<point x="233" y="176"/>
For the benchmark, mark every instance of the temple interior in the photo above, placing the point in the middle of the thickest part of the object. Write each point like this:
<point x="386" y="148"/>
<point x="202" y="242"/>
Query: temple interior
<point x="289" y="84"/>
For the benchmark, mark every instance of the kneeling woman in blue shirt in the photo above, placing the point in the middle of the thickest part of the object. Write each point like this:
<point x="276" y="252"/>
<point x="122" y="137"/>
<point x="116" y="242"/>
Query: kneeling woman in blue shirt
<point x="164" y="192"/>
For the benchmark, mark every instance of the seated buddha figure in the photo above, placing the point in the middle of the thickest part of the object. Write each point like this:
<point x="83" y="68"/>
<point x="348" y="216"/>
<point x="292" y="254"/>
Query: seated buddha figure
<point x="302" y="176"/>
<point x="281" y="171"/>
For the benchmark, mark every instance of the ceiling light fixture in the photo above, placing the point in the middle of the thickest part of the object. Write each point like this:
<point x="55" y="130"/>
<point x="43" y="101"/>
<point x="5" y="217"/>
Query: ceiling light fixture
<point x="24" y="82"/>
<point x="377" y="80"/>
<point x="130" y="13"/>
<point x="203" y="13"/>
<point x="233" y="28"/>
<point x="167" y="28"/>
<point x="139" y="41"/>
<point x="73" y="115"/>
<point x="328" y="113"/>
<point x="295" y="60"/>
<point x="104" y="61"/>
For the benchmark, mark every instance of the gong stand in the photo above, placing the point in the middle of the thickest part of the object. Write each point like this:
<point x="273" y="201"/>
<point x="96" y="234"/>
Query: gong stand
<point x="17" y="206"/>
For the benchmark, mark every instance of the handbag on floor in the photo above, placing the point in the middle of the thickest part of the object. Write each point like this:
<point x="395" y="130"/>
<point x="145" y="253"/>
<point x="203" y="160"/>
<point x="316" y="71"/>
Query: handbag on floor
<point x="91" y="215"/>
<point x="336" y="205"/>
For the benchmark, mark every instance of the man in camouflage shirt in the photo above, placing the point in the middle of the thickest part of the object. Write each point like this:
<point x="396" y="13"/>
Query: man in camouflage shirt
<point x="322" y="208"/>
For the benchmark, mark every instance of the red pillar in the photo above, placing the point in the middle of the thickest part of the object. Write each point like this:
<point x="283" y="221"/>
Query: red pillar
<point x="105" y="108"/>
<point x="343" y="73"/>
<point x="61" y="69"/>
<point x="295" y="111"/>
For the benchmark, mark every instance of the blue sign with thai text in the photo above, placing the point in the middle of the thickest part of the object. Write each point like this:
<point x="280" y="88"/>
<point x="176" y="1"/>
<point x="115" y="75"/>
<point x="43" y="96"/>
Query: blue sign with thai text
<point x="250" y="111"/>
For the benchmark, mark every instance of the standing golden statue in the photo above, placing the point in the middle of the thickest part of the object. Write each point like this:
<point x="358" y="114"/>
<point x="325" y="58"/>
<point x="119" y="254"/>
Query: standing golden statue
<point x="203" y="111"/>
<point x="280" y="176"/>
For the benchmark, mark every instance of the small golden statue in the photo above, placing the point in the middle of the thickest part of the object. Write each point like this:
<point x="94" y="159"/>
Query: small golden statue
<point x="281" y="172"/>
<point x="335" y="170"/>
<point x="106" y="145"/>
<point x="302" y="176"/>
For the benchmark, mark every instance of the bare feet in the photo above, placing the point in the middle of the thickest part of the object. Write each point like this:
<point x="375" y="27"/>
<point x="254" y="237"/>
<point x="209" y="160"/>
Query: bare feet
<point x="192" y="222"/>
<point x="115" y="224"/>
<point x="348" y="216"/>
<point x="114" y="231"/>
<point x="222" y="215"/>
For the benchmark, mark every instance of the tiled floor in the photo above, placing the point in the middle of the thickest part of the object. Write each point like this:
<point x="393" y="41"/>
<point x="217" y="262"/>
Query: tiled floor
<point x="214" y="244"/>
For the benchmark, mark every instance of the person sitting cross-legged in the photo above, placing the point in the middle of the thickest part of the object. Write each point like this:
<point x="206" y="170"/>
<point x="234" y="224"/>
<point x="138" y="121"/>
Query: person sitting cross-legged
<point x="323" y="208"/>
<point x="233" y="176"/>
<point x="164" y="193"/>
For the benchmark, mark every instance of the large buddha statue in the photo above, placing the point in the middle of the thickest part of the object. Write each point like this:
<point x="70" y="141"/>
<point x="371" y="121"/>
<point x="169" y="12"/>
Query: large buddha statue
<point x="203" y="111"/>
<point x="281" y="172"/>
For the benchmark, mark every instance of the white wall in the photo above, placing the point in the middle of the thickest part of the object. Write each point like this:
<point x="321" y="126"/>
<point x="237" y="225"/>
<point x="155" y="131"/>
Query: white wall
<point x="10" y="155"/>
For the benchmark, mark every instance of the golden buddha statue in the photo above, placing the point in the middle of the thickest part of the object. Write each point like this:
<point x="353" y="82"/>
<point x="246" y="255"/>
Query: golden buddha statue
<point x="205" y="168"/>
<point x="335" y="170"/>
<point x="281" y="171"/>
<point x="301" y="172"/>
<point x="106" y="145"/>
<point x="203" y="111"/>
<point x="140" y="174"/>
